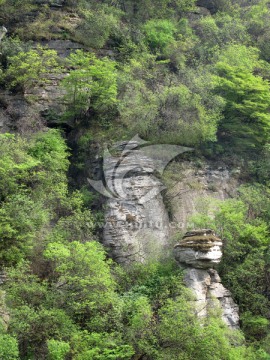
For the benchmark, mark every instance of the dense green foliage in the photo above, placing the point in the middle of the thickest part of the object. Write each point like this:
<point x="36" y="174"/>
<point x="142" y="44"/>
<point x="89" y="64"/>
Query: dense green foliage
<point x="170" y="71"/>
<point x="29" y="68"/>
<point x="90" y="85"/>
<point x="243" y="224"/>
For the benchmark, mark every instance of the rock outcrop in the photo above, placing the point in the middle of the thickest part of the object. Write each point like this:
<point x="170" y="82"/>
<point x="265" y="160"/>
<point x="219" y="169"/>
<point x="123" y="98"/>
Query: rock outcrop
<point x="198" y="252"/>
<point x="40" y="105"/>
<point x="194" y="184"/>
<point x="136" y="221"/>
<point x="199" y="249"/>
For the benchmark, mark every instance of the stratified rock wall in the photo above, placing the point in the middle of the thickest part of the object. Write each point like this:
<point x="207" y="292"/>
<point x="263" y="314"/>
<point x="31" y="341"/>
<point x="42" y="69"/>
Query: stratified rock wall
<point x="198" y="252"/>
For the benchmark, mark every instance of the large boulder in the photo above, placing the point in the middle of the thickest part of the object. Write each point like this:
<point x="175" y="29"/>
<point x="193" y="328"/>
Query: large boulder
<point x="200" y="249"/>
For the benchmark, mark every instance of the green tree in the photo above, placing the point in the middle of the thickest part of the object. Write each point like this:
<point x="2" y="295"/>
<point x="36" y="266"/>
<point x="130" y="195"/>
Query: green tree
<point x="33" y="188"/>
<point x="140" y="324"/>
<point x="140" y="11"/>
<point x="246" y="122"/>
<point x="214" y="32"/>
<point x="8" y="347"/>
<point x="90" y="85"/>
<point x="183" y="111"/>
<point x="57" y="349"/>
<point x="97" y="25"/>
<point x="16" y="165"/>
<point x="184" y="337"/>
<point x="159" y="34"/>
<point x="87" y="288"/>
<point x="33" y="317"/>
<point x="30" y="68"/>
<point x="21" y="219"/>
<point x="100" y="346"/>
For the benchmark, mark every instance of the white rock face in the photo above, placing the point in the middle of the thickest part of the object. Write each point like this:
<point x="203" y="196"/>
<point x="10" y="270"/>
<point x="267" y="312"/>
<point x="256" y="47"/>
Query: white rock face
<point x="198" y="252"/>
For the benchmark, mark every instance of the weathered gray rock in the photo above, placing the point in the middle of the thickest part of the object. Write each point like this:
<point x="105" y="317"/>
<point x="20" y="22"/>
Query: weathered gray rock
<point x="209" y="293"/>
<point x="199" y="249"/>
<point x="16" y="114"/>
<point x="211" y="5"/>
<point x="3" y="32"/>
<point x="39" y="105"/>
<point x="194" y="184"/>
<point x="4" y="314"/>
<point x="63" y="47"/>
<point x="198" y="252"/>
<point x="137" y="223"/>
<point x="24" y="112"/>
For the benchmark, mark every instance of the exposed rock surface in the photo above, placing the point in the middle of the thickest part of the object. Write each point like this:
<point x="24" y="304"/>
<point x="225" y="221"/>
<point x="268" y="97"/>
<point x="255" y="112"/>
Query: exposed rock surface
<point x="198" y="252"/>
<point x="31" y="110"/>
<point x="63" y="47"/>
<point x="137" y="223"/>
<point x="4" y="314"/>
<point x="211" y="5"/>
<point x="193" y="185"/>
<point x="40" y="104"/>
<point x="199" y="248"/>
<point x="16" y="114"/>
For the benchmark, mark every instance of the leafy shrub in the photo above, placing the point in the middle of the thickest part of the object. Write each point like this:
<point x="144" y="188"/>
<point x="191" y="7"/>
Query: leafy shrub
<point x="82" y="267"/>
<point x="215" y="32"/>
<point x="15" y="10"/>
<point x="11" y="46"/>
<point x="21" y="219"/>
<point x="246" y="121"/>
<point x="57" y="349"/>
<point x="33" y="185"/>
<point x="30" y="68"/>
<point x="97" y="25"/>
<point x="100" y="346"/>
<point x="91" y="85"/>
<point x="255" y="327"/>
<point x="159" y="34"/>
<point x="8" y="347"/>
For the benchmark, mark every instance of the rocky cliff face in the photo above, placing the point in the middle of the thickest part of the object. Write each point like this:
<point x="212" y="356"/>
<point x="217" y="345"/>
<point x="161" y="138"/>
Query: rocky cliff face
<point x="135" y="227"/>
<point x="41" y="104"/>
<point x="198" y="252"/>
<point x="136" y="221"/>
<point x="194" y="184"/>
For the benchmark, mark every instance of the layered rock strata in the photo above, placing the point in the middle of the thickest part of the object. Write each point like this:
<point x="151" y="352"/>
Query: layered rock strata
<point x="198" y="252"/>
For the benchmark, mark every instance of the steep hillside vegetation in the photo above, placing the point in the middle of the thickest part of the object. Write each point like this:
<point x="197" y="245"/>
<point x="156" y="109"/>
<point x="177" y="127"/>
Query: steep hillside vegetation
<point x="77" y="77"/>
